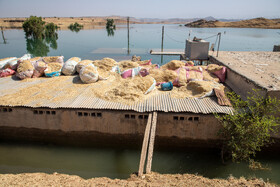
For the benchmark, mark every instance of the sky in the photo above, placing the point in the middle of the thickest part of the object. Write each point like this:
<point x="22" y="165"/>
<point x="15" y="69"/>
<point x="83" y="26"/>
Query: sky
<point x="229" y="9"/>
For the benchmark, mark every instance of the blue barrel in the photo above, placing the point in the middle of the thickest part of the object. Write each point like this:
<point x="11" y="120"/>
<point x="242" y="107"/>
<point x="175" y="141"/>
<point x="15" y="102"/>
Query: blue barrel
<point x="166" y="86"/>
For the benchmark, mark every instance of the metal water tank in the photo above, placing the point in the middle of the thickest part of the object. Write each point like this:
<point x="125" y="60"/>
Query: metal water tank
<point x="197" y="49"/>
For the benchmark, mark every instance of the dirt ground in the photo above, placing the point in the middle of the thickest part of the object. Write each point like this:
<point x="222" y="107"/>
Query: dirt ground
<point x="153" y="179"/>
<point x="261" y="67"/>
<point x="250" y="23"/>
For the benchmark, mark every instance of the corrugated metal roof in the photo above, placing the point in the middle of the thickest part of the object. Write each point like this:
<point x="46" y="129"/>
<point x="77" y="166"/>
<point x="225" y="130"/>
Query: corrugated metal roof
<point x="159" y="102"/>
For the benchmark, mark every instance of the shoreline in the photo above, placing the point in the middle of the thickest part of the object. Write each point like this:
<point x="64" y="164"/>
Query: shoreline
<point x="152" y="179"/>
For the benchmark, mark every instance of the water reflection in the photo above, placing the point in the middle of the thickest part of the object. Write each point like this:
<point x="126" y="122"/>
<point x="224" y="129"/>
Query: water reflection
<point x="110" y="31"/>
<point x="75" y="29"/>
<point x="4" y="39"/>
<point x="41" y="47"/>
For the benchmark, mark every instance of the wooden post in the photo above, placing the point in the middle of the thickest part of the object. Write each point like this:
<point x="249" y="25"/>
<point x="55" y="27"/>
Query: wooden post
<point x="145" y="146"/>
<point x="219" y="43"/>
<point x="3" y="35"/>
<point x="128" y="50"/>
<point x="151" y="143"/>
<point x="162" y="37"/>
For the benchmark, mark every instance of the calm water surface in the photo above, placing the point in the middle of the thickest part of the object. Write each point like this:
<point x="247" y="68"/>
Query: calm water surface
<point x="96" y="44"/>
<point x="120" y="163"/>
<point x="115" y="162"/>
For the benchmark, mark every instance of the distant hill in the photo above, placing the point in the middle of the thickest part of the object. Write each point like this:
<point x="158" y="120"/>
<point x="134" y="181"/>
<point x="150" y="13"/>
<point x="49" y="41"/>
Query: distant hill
<point x="251" y="23"/>
<point x="181" y="20"/>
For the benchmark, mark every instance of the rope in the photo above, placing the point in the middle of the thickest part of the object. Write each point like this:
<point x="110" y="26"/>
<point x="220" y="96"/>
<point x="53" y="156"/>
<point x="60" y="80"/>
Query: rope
<point x="209" y="37"/>
<point x="173" y="39"/>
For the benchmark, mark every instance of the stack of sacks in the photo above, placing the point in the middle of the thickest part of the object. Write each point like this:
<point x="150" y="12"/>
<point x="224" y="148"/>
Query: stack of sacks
<point x="69" y="67"/>
<point x="82" y="63"/>
<point x="4" y="61"/>
<point x="53" y="59"/>
<point x="104" y="67"/>
<point x="25" y="69"/>
<point x="53" y="69"/>
<point x="12" y="64"/>
<point x="39" y="68"/>
<point x="89" y="74"/>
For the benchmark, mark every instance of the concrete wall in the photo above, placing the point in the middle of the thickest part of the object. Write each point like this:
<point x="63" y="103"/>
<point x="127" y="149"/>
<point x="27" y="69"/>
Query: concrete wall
<point x="239" y="83"/>
<point x="180" y="125"/>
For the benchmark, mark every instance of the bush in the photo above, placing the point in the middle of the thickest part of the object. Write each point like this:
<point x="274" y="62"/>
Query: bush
<point x="50" y="30"/>
<point x="35" y="27"/>
<point x="248" y="129"/>
<point x="75" y="27"/>
<point x="110" y="24"/>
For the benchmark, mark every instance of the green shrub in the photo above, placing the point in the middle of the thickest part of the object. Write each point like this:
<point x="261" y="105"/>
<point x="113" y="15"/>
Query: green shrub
<point x="75" y="27"/>
<point x="248" y="129"/>
<point x="110" y="24"/>
<point x="35" y="27"/>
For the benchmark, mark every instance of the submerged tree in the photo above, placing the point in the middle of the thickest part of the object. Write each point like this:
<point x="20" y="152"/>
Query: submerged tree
<point x="249" y="128"/>
<point x="75" y="27"/>
<point x="34" y="27"/>
<point x="50" y="30"/>
<point x="110" y="32"/>
<point x="110" y="24"/>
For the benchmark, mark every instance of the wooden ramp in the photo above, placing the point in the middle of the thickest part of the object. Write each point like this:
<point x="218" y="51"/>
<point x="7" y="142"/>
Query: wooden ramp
<point x="148" y="142"/>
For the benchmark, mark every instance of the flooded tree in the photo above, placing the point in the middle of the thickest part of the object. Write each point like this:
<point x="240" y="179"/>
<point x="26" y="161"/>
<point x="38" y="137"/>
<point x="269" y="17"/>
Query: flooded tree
<point x="34" y="27"/>
<point x="110" y="24"/>
<point x="76" y="27"/>
<point x="110" y="32"/>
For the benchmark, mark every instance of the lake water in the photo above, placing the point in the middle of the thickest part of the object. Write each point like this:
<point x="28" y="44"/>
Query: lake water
<point x="116" y="162"/>
<point x="96" y="44"/>
<point x="120" y="163"/>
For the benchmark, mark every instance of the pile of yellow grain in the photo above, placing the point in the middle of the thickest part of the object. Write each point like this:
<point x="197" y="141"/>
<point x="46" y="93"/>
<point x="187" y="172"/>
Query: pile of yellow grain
<point x="195" y="89"/>
<point x="90" y="69"/>
<point x="126" y="90"/>
<point x="50" y="59"/>
<point x="142" y="62"/>
<point x="53" y="67"/>
<point x="190" y="63"/>
<point x="173" y="65"/>
<point x="127" y="64"/>
<point x="35" y="59"/>
<point x="210" y="76"/>
<point x="195" y="75"/>
<point x="82" y="63"/>
<point x="182" y="77"/>
<point x="76" y="59"/>
<point x="162" y="75"/>
<point x="25" y="65"/>
<point x="105" y="64"/>
<point x="213" y="68"/>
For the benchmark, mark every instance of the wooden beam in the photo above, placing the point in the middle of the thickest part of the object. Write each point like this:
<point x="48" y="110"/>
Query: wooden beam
<point x="151" y="143"/>
<point x="145" y="146"/>
<point x="166" y="53"/>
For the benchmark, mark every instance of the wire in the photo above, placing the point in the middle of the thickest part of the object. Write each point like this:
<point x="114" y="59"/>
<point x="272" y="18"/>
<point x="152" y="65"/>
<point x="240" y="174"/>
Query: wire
<point x="209" y="37"/>
<point x="173" y="38"/>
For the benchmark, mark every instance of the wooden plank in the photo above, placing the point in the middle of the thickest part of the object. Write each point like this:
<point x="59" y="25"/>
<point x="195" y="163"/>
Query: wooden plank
<point x="167" y="53"/>
<point x="151" y="143"/>
<point x="145" y="146"/>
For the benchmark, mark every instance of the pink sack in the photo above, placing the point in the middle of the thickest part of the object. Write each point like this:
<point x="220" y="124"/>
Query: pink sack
<point x="6" y="72"/>
<point x="148" y="63"/>
<point x="131" y="72"/>
<point x="144" y="72"/>
<point x="221" y="74"/>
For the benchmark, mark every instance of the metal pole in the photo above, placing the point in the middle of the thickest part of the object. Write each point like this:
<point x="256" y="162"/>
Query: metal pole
<point x="219" y="34"/>
<point x="162" y="37"/>
<point x="128" y="50"/>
